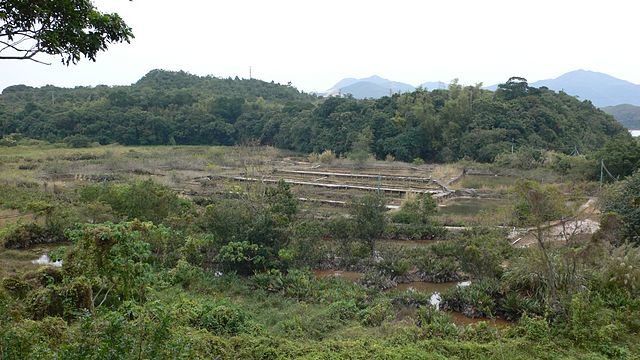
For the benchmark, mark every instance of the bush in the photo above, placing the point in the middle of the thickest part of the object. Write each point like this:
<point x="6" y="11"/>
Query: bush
<point x="327" y="157"/>
<point x="221" y="318"/>
<point x="621" y="271"/>
<point x="415" y="231"/>
<point x="297" y="284"/>
<point x="435" y="323"/>
<point x="376" y="314"/>
<point x="344" y="310"/>
<point x="77" y="141"/>
<point x="115" y="256"/>
<point x="24" y="236"/>
<point x="144" y="200"/>
<point x="185" y="274"/>
<point x="16" y="286"/>
<point x="8" y="142"/>
<point x="623" y="199"/>
<point x="524" y="158"/>
<point x="475" y="300"/>
<point x="240" y="256"/>
<point x="417" y="209"/>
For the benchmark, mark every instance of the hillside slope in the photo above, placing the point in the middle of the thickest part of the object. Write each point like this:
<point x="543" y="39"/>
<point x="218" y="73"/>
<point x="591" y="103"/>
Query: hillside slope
<point x="179" y="108"/>
<point x="628" y="115"/>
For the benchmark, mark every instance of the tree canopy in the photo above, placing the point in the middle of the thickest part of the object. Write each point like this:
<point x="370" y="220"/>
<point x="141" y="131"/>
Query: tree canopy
<point x="461" y="122"/>
<point x="71" y="29"/>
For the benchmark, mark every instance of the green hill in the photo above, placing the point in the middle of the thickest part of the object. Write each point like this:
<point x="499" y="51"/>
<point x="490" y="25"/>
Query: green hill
<point x="179" y="108"/>
<point x="627" y="115"/>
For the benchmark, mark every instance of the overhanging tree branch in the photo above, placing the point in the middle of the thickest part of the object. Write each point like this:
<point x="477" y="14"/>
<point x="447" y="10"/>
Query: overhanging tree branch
<point x="71" y="29"/>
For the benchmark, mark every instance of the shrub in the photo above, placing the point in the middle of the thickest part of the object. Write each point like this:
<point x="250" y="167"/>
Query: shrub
<point x="376" y="314"/>
<point x="221" y="318"/>
<point x="327" y="157"/>
<point x="24" y="236"/>
<point x="344" y="310"/>
<point x="144" y="200"/>
<point x="115" y="256"/>
<point x="621" y="270"/>
<point x="185" y="274"/>
<point x="77" y="141"/>
<point x="240" y="256"/>
<point x="416" y="209"/>
<point x="297" y="284"/>
<point x="435" y="323"/>
<point x="623" y="199"/>
<point x="15" y="286"/>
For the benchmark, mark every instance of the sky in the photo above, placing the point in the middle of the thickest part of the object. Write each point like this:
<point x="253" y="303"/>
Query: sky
<point x="314" y="44"/>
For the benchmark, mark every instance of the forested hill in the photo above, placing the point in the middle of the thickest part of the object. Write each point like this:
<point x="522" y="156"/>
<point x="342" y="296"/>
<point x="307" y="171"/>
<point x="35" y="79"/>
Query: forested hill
<point x="178" y="108"/>
<point x="628" y="115"/>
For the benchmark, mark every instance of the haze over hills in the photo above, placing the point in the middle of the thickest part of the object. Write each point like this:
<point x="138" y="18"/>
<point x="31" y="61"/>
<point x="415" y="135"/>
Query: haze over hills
<point x="628" y="115"/>
<point x="617" y="97"/>
<point x="371" y="87"/>
<point x="602" y="89"/>
<point x="375" y="87"/>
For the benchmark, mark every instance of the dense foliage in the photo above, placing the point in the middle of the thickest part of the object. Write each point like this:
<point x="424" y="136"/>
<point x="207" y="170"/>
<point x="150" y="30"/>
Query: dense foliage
<point x="229" y="278"/>
<point x="70" y="29"/>
<point x="179" y="108"/>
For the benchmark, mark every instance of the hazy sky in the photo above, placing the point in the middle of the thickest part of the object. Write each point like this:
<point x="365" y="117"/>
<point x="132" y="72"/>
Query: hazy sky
<point x="314" y="44"/>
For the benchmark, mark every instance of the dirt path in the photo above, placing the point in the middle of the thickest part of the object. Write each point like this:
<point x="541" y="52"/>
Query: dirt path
<point x="583" y="224"/>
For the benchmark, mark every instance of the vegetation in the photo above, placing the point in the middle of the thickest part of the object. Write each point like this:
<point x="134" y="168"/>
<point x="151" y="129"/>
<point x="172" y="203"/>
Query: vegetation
<point x="461" y="122"/>
<point x="70" y="29"/>
<point x="628" y="115"/>
<point x="232" y="269"/>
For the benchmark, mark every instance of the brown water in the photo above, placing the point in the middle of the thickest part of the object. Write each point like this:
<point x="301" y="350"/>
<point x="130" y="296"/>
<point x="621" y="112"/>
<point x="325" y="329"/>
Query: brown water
<point x="434" y="288"/>
<point x="347" y="275"/>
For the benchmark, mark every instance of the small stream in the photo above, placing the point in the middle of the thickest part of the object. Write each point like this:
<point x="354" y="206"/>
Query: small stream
<point x="435" y="289"/>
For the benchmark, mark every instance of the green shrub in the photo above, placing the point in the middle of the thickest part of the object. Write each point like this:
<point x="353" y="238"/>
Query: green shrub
<point x="143" y="200"/>
<point x="24" y="236"/>
<point x="435" y="323"/>
<point x="185" y="274"/>
<point x="77" y="141"/>
<point x="375" y="314"/>
<point x="15" y="286"/>
<point x="297" y="284"/>
<point x="343" y="310"/>
<point x="221" y="319"/>
<point x="531" y="328"/>
<point x="115" y="256"/>
<point x="414" y="231"/>
<point x="44" y="302"/>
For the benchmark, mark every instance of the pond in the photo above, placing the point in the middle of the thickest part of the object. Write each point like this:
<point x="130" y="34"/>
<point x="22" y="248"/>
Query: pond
<point x="347" y="275"/>
<point x="435" y="289"/>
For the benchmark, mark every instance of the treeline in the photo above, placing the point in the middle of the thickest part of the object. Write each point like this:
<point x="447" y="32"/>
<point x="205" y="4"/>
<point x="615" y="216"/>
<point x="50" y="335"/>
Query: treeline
<point x="179" y="108"/>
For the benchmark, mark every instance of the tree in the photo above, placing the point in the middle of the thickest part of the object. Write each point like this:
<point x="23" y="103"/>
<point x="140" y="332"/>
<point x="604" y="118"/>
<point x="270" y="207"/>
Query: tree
<point x="361" y="148"/>
<point x="621" y="156"/>
<point x="513" y="88"/>
<point x="69" y="28"/>
<point x="539" y="205"/>
<point x="623" y="199"/>
<point x="368" y="213"/>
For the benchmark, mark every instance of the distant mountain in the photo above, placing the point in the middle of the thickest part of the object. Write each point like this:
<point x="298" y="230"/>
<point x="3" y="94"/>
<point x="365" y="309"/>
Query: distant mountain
<point x="602" y="89"/>
<point x="434" y="85"/>
<point x="627" y="115"/>
<point x="371" y="87"/>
